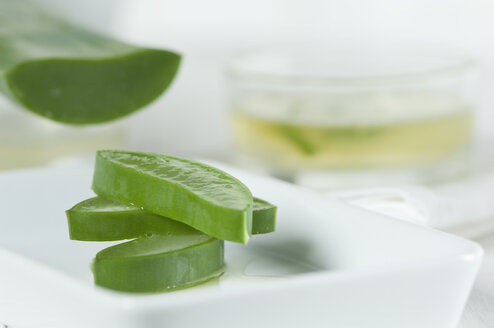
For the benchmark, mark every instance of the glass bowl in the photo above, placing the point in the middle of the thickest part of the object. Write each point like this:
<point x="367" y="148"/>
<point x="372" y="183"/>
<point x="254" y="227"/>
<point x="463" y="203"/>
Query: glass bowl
<point x="352" y="108"/>
<point x="28" y="140"/>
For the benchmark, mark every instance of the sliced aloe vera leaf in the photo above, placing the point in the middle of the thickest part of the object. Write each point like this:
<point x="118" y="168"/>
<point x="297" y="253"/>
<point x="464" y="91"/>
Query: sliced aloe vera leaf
<point x="159" y="263"/>
<point x="71" y="75"/>
<point x="295" y="137"/>
<point x="101" y="219"/>
<point x="196" y="194"/>
<point x="263" y="217"/>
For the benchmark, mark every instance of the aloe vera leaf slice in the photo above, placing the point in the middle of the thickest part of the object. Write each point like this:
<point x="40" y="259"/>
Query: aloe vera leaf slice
<point x="292" y="135"/>
<point x="196" y="194"/>
<point x="263" y="217"/>
<point x="159" y="263"/>
<point x="71" y="75"/>
<point x="101" y="219"/>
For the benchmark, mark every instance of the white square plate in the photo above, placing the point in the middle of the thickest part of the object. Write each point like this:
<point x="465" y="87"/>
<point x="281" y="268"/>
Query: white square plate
<point x="327" y="265"/>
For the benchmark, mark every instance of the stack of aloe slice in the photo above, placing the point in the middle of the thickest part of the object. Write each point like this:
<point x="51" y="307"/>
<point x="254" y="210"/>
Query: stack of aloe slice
<point x="177" y="212"/>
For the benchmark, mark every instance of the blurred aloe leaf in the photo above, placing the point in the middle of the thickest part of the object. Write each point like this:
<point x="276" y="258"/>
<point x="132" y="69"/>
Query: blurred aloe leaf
<point x="71" y="75"/>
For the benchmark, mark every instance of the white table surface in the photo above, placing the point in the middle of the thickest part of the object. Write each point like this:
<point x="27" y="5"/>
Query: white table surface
<point x="479" y="311"/>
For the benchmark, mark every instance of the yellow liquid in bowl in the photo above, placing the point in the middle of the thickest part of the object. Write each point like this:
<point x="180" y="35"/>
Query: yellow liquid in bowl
<point x="290" y="146"/>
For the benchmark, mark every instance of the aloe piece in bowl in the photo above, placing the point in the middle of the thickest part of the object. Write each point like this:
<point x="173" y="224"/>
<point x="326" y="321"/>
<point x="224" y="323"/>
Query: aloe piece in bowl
<point x="71" y="75"/>
<point x="101" y="219"/>
<point x="159" y="263"/>
<point x="193" y="193"/>
<point x="263" y="217"/>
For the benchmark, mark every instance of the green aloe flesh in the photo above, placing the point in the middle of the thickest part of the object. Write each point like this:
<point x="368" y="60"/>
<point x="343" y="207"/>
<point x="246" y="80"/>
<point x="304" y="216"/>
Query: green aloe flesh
<point x="263" y="217"/>
<point x="196" y="194"/>
<point x="159" y="263"/>
<point x="101" y="219"/>
<point x="71" y="75"/>
<point x="297" y="139"/>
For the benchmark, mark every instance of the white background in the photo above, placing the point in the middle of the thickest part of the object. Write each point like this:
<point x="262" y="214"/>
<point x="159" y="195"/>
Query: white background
<point x="191" y="118"/>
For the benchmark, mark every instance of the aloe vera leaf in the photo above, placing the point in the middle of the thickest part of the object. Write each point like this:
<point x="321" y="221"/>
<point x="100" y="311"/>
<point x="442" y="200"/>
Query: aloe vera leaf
<point x="295" y="137"/>
<point x="263" y="217"/>
<point x="159" y="263"/>
<point x="193" y="193"/>
<point x="100" y="219"/>
<point x="71" y="75"/>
